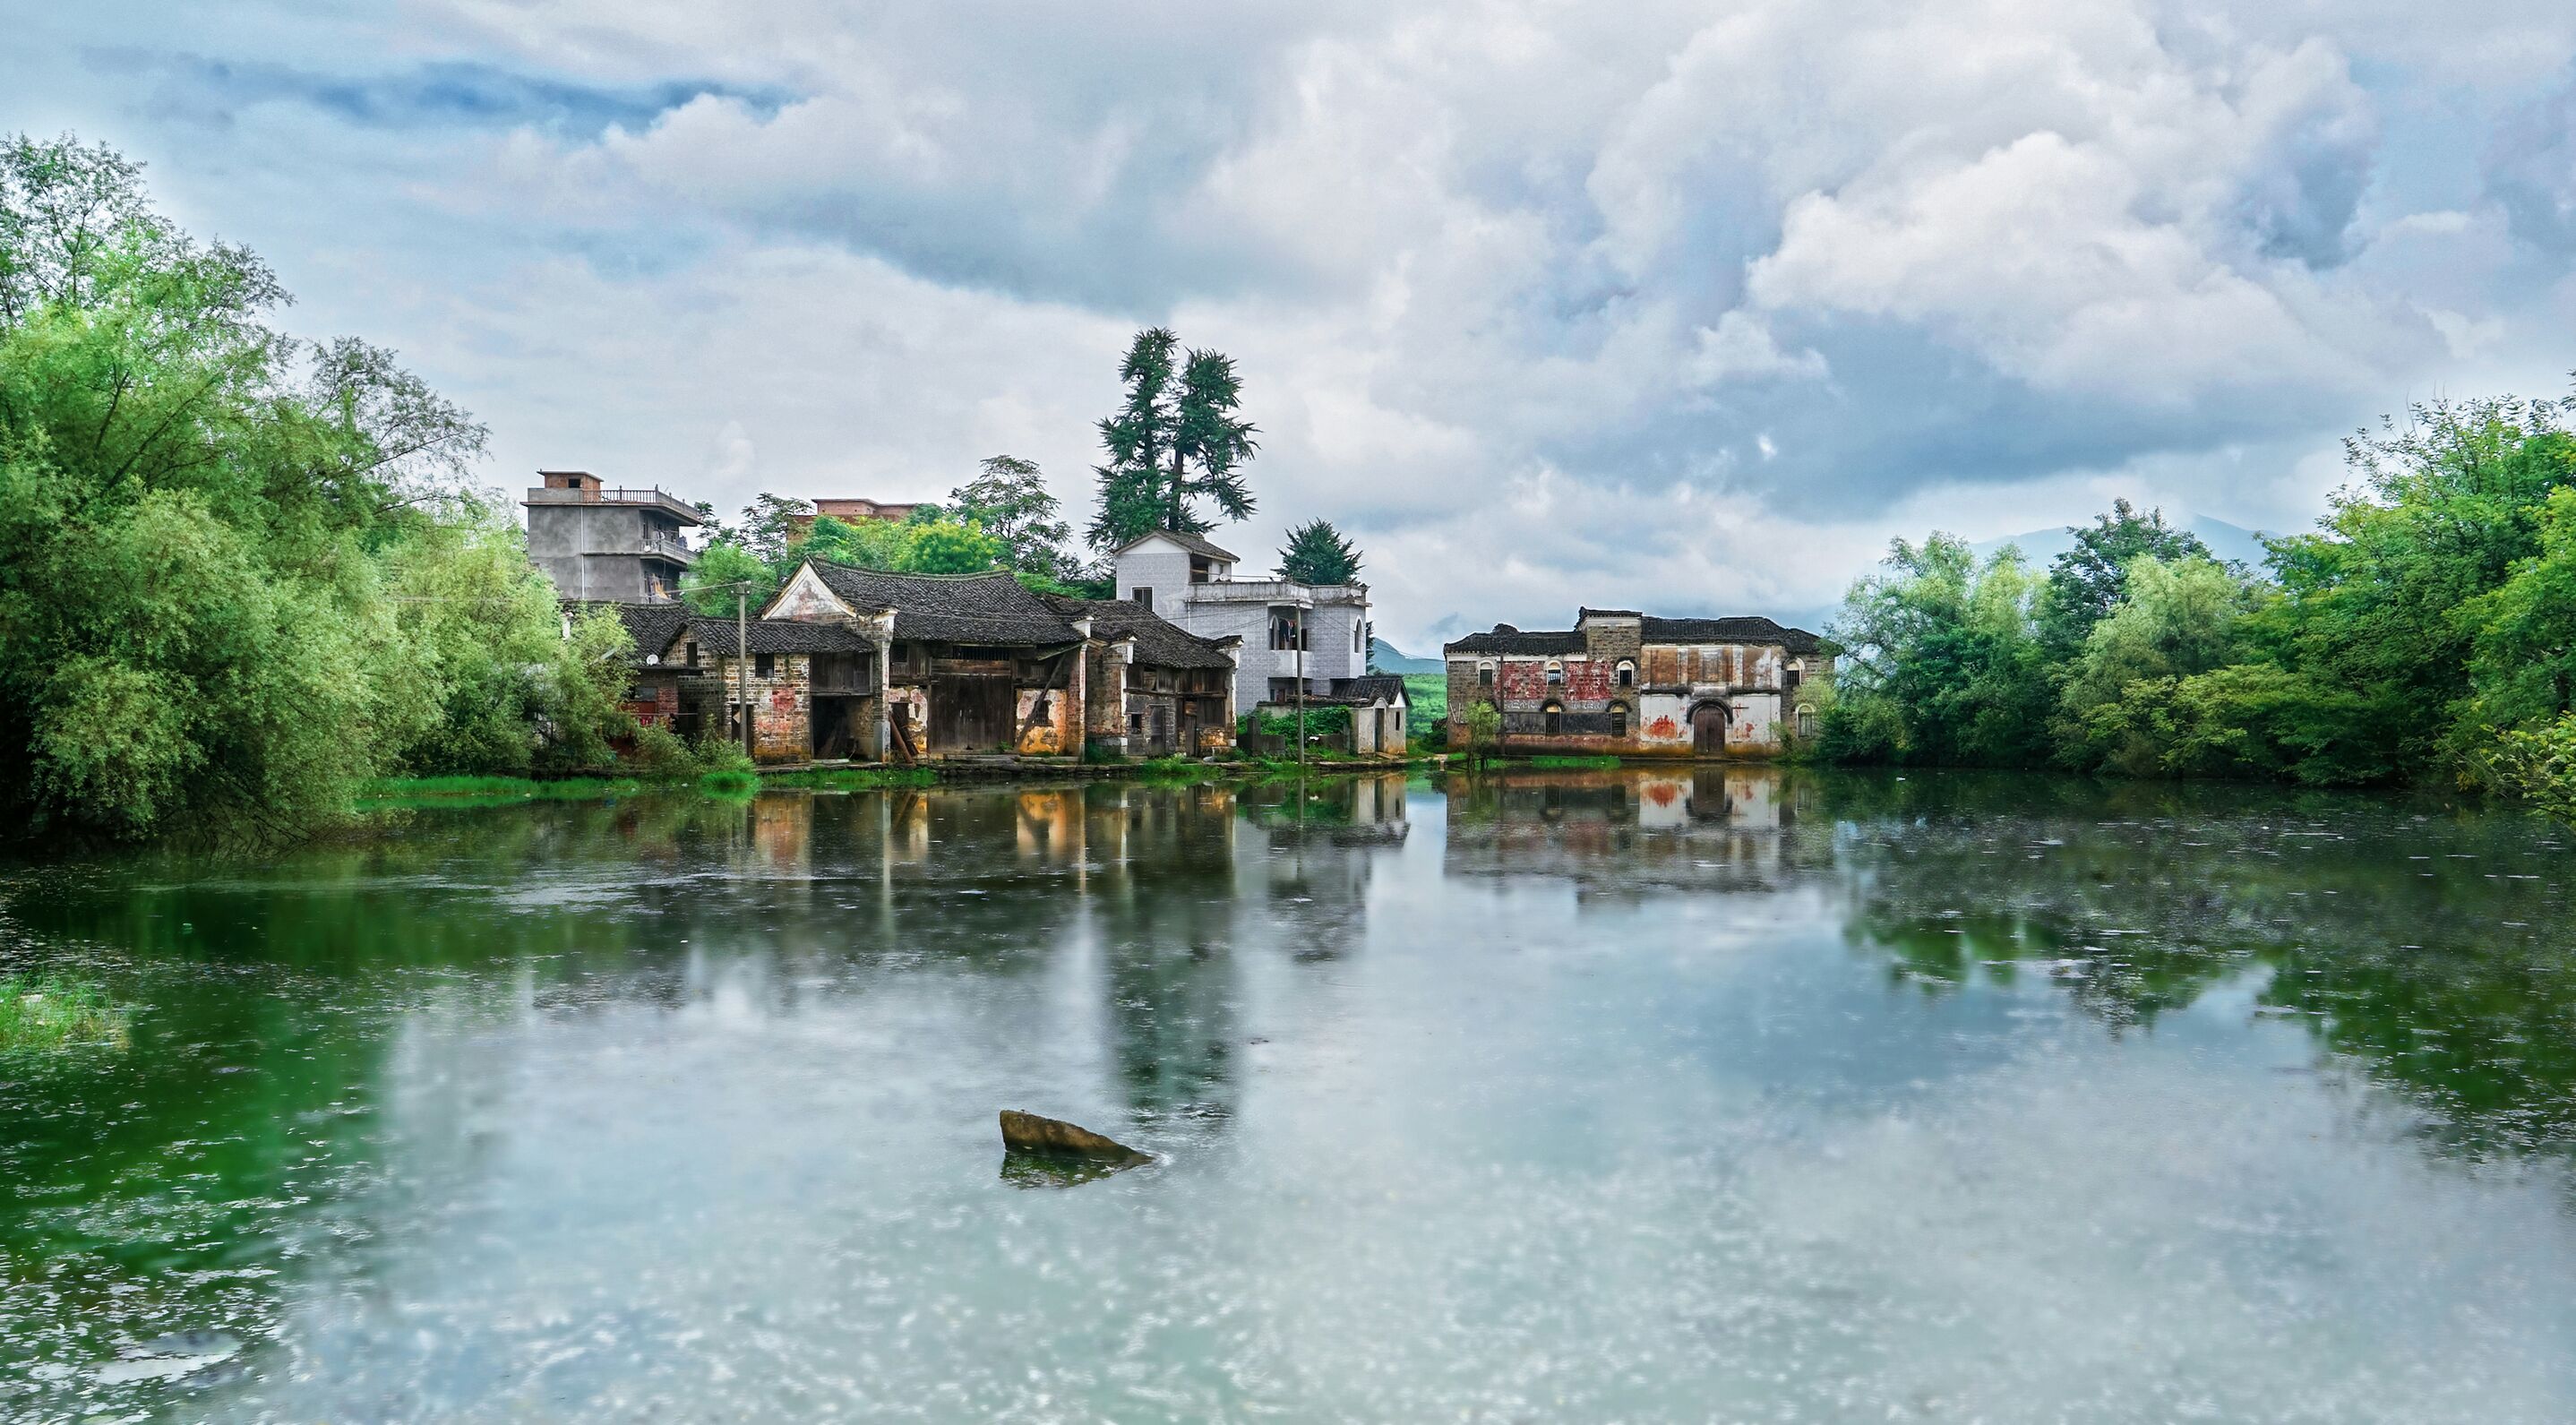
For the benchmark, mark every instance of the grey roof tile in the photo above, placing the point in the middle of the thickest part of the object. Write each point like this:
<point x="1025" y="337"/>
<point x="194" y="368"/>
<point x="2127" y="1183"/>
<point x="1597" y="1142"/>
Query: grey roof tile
<point x="988" y="610"/>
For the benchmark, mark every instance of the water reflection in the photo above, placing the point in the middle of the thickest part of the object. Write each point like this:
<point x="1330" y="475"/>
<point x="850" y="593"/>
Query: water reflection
<point x="579" y="1109"/>
<point x="1623" y="835"/>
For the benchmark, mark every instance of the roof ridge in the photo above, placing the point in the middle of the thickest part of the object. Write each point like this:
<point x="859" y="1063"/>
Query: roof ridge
<point x="910" y="574"/>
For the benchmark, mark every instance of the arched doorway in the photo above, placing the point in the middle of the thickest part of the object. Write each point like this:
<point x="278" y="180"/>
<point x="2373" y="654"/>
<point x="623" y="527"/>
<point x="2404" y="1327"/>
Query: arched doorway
<point x="1708" y="729"/>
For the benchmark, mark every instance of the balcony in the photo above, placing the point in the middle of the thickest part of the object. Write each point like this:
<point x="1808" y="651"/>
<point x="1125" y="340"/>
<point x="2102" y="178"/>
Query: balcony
<point x="652" y="498"/>
<point x="668" y="546"/>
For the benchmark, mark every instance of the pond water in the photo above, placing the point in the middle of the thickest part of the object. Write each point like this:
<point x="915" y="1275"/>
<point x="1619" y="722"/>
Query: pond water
<point x="1730" y="1095"/>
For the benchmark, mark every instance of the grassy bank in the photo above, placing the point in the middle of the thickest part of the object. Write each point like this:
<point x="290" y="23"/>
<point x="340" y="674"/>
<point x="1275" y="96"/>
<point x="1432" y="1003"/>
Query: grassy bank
<point x="1426" y="703"/>
<point x="51" y="1012"/>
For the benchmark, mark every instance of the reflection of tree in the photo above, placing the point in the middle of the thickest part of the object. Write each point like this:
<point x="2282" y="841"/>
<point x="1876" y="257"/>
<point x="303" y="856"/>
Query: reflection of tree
<point x="1166" y="912"/>
<point x="2403" y="941"/>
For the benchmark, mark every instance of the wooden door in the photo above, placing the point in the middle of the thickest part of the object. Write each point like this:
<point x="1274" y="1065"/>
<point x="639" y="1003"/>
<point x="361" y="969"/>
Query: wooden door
<point x="1708" y="730"/>
<point x="972" y="714"/>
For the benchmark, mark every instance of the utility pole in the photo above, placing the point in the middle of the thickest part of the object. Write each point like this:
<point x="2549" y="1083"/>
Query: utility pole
<point x="1301" y="697"/>
<point x="742" y="660"/>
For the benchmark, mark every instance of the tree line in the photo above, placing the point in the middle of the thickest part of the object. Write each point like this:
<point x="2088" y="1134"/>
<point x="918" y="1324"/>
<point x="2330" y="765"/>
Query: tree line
<point x="241" y="573"/>
<point x="2424" y="630"/>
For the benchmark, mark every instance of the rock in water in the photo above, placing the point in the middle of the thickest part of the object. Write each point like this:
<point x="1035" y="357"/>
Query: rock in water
<point x="1031" y="1133"/>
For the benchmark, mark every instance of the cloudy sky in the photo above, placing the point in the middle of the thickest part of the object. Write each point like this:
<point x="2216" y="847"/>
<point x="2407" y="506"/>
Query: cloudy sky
<point x="1680" y="306"/>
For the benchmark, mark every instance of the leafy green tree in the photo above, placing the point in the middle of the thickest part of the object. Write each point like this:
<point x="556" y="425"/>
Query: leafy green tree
<point x="494" y="676"/>
<point x="709" y="586"/>
<point x="1137" y="439"/>
<point x="2522" y="667"/>
<point x="2087" y="581"/>
<point x="194" y="625"/>
<point x="2176" y="619"/>
<point x="1483" y="724"/>
<point x="862" y="543"/>
<point x="1175" y="440"/>
<point x="949" y="547"/>
<point x="1317" y="553"/>
<point x="1943" y="662"/>
<point x="772" y="526"/>
<point x="2444" y="509"/>
<point x="1009" y="500"/>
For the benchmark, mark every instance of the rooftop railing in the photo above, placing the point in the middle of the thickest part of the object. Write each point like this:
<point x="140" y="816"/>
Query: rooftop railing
<point x="1284" y="590"/>
<point x="653" y="496"/>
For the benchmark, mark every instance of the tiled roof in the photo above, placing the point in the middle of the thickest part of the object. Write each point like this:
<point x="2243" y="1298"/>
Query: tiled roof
<point x="652" y="626"/>
<point x="1160" y="643"/>
<point x="1507" y="639"/>
<point x="1371" y="686"/>
<point x="990" y="610"/>
<point x="715" y="637"/>
<point x="1191" y="542"/>
<point x="1740" y="629"/>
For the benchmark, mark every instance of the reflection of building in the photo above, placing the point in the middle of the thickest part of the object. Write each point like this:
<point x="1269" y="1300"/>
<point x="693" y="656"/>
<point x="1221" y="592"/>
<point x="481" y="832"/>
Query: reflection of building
<point x="1627" y="683"/>
<point x="1321" y="841"/>
<point x="1626" y="831"/>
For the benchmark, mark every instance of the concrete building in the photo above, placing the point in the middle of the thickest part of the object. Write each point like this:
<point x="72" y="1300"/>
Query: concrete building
<point x="851" y="510"/>
<point x="1191" y="582"/>
<point x="1628" y="683"/>
<point x="604" y="545"/>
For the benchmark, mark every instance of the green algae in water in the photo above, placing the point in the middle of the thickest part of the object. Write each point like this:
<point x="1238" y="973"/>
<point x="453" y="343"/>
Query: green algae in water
<point x="41" y="1012"/>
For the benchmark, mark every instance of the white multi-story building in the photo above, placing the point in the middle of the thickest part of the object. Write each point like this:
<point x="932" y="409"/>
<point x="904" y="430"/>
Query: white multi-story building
<point x="1191" y="582"/>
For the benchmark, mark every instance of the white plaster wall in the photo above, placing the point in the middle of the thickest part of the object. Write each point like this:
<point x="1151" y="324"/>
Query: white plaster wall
<point x="805" y="598"/>
<point x="1328" y="641"/>
<point x="1255" y="660"/>
<point x="1157" y="565"/>
<point x="1673" y="715"/>
<point x="1750" y="720"/>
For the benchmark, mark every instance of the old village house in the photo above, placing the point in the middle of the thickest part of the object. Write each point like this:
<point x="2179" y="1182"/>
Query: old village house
<point x="1153" y="690"/>
<point x="1629" y="683"/>
<point x="861" y="665"/>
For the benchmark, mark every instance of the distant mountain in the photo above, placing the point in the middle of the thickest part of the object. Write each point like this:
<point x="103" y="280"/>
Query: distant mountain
<point x="1385" y="657"/>
<point x="2225" y="540"/>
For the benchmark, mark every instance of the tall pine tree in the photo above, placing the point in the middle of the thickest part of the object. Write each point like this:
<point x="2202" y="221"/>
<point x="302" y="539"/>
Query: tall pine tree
<point x="1317" y="553"/>
<point x="1174" y="441"/>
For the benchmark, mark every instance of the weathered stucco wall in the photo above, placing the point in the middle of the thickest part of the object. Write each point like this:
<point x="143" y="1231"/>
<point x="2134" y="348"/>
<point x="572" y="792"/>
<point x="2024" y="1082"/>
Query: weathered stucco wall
<point x="781" y="705"/>
<point x="1648" y="716"/>
<point x="1052" y="731"/>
